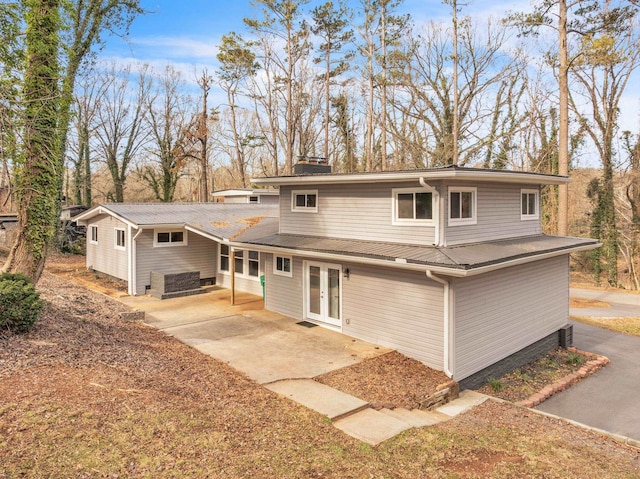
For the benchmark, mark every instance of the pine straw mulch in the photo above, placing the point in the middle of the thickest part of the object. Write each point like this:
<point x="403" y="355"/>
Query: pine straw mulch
<point x="87" y="395"/>
<point x="388" y="381"/>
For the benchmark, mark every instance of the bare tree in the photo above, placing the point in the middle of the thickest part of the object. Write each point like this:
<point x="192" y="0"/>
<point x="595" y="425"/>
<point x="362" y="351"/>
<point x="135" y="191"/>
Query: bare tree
<point x="330" y="25"/>
<point x="237" y="65"/>
<point x="79" y="149"/>
<point x="483" y="67"/>
<point x="283" y="21"/>
<point x="167" y="120"/>
<point x="120" y="129"/>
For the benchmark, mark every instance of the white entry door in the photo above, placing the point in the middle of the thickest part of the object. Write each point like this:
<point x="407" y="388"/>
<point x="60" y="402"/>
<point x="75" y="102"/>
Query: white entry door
<point x="323" y="292"/>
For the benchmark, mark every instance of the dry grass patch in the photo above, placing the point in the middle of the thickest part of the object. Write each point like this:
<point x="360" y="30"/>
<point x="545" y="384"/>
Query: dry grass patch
<point x="587" y="303"/>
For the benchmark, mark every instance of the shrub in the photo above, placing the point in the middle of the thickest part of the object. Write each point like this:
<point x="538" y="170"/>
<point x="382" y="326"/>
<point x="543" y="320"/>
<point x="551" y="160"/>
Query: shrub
<point x="574" y="359"/>
<point x="20" y="303"/>
<point x="496" y="385"/>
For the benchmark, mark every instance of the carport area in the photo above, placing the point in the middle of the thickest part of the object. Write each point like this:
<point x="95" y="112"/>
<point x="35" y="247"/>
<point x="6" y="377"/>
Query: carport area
<point x="265" y="346"/>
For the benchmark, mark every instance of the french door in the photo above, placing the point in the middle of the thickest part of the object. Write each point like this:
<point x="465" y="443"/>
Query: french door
<point x="323" y="291"/>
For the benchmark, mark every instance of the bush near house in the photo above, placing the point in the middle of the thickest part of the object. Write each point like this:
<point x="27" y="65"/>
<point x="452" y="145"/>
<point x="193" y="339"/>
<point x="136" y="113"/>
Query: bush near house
<point x="20" y="303"/>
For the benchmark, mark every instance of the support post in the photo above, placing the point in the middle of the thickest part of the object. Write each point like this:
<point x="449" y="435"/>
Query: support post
<point x="233" y="277"/>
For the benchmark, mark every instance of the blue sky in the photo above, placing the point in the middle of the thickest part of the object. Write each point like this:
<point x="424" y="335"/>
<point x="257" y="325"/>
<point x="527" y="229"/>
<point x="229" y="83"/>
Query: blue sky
<point x="186" y="32"/>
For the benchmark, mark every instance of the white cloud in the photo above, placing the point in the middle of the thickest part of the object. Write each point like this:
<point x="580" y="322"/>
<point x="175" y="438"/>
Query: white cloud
<point x="176" y="47"/>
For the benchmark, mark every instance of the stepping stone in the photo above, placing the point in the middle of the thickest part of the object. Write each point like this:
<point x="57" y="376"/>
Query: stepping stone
<point x="466" y="400"/>
<point x="319" y="397"/>
<point x="415" y="418"/>
<point x="371" y="426"/>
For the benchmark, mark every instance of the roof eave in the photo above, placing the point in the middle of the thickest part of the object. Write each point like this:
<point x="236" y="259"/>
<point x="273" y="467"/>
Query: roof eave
<point x="444" y="174"/>
<point x="101" y="210"/>
<point x="456" y="271"/>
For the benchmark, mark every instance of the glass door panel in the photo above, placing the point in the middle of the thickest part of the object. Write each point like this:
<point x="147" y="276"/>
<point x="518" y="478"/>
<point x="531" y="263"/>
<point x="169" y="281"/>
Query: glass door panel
<point x="314" y="290"/>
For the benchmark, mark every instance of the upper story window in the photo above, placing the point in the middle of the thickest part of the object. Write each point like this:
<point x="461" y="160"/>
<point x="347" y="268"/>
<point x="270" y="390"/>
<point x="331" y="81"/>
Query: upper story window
<point x="254" y="199"/>
<point x="413" y="206"/>
<point x="120" y="239"/>
<point x="304" y="200"/>
<point x="93" y="234"/>
<point x="282" y="266"/>
<point x="530" y="204"/>
<point x="462" y="206"/>
<point x="169" y="238"/>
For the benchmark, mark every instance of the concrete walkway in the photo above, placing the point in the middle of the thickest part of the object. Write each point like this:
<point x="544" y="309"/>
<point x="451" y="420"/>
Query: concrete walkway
<point x="609" y="400"/>
<point x="284" y="355"/>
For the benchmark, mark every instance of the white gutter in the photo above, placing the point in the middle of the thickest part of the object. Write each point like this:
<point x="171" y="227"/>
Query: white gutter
<point x="447" y="323"/>
<point x="129" y="246"/>
<point x="525" y="260"/>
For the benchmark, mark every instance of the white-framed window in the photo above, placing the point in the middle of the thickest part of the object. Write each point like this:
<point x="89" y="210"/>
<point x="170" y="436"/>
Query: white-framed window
<point x="462" y="206"/>
<point x="224" y="257"/>
<point x="530" y="204"/>
<point x="413" y="206"/>
<point x="246" y="263"/>
<point x="93" y="234"/>
<point x="254" y="199"/>
<point x="282" y="266"/>
<point x="120" y="242"/>
<point x="162" y="238"/>
<point x="239" y="262"/>
<point x="253" y="264"/>
<point x="304" y="200"/>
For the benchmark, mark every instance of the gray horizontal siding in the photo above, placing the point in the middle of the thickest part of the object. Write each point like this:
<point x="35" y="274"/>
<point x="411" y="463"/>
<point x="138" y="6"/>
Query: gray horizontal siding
<point x="401" y="310"/>
<point x="199" y="254"/>
<point x="284" y="294"/>
<point x="499" y="313"/>
<point x="361" y="212"/>
<point x="104" y="257"/>
<point x="498" y="216"/>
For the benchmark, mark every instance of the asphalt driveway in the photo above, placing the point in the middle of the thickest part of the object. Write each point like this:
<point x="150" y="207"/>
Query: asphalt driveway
<point x="609" y="399"/>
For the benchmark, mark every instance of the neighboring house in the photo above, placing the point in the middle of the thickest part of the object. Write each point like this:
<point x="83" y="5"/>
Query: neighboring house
<point x="448" y="266"/>
<point x="129" y="241"/>
<point x="267" y="196"/>
<point x="68" y="212"/>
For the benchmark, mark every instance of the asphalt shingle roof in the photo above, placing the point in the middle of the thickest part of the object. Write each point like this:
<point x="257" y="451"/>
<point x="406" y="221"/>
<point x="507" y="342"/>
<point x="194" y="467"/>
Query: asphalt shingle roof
<point x="465" y="257"/>
<point x="221" y="220"/>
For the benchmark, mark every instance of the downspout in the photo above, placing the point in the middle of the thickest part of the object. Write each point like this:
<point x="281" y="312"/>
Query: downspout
<point x="448" y="320"/>
<point x="133" y="285"/>
<point x="438" y="227"/>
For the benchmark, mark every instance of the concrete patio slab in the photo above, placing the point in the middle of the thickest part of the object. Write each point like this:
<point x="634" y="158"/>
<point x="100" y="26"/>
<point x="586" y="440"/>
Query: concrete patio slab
<point x="319" y="397"/>
<point x="265" y="346"/>
<point x="371" y="426"/>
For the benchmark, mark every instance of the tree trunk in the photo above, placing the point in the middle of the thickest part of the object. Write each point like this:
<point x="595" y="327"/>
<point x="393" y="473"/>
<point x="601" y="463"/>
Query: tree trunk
<point x="563" y="127"/>
<point x="40" y="172"/>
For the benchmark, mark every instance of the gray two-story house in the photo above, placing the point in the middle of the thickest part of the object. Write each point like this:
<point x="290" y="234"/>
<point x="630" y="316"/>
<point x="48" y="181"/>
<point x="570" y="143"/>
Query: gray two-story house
<point x="448" y="266"/>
